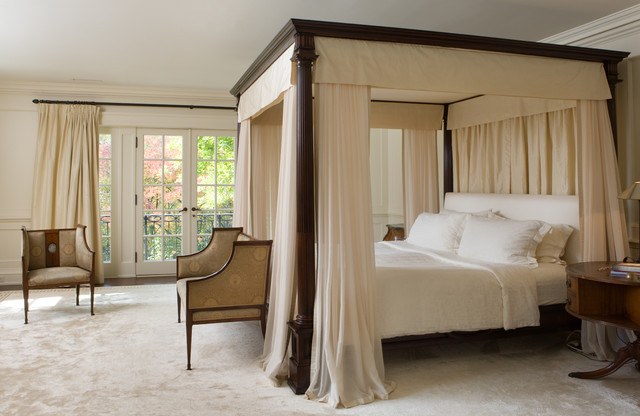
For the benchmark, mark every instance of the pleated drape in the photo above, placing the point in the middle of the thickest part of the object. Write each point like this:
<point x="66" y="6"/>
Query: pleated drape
<point x="65" y="186"/>
<point x="242" y="188"/>
<point x="602" y="220"/>
<point x="420" y="174"/>
<point x="524" y="155"/>
<point x="282" y="291"/>
<point x="346" y="361"/>
<point x="266" y="135"/>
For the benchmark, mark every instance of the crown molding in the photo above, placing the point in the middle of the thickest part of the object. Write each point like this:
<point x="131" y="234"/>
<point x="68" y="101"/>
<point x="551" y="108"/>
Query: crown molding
<point x="89" y="91"/>
<point x="615" y="26"/>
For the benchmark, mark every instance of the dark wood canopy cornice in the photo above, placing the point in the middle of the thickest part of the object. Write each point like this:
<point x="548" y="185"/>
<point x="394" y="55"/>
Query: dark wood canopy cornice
<point x="287" y="36"/>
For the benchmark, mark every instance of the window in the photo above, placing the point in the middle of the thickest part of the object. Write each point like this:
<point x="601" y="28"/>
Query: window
<point x="215" y="177"/>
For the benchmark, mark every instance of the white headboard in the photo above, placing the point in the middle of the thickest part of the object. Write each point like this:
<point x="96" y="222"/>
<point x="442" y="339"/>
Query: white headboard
<point x="553" y="209"/>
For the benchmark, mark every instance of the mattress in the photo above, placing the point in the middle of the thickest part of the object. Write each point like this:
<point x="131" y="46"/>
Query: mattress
<point x="421" y="291"/>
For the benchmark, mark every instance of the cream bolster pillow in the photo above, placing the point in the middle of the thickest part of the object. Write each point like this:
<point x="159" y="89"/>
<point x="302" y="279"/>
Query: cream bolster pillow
<point x="437" y="232"/>
<point x="502" y="240"/>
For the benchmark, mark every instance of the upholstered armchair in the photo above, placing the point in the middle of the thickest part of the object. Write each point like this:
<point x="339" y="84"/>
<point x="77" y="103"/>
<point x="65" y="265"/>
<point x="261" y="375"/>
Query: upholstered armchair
<point x="210" y="259"/>
<point x="56" y="258"/>
<point x="237" y="292"/>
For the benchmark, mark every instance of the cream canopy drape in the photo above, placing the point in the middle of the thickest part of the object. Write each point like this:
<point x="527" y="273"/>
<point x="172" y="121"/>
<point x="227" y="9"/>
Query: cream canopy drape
<point x="533" y="154"/>
<point x="420" y="168"/>
<point x="346" y="367"/>
<point x="65" y="185"/>
<point x="602" y="219"/>
<point x="266" y="135"/>
<point x="282" y="291"/>
<point x="242" y="188"/>
<point x="419" y="123"/>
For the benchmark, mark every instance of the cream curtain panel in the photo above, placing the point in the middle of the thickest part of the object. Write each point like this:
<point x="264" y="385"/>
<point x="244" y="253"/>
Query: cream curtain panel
<point x="282" y="291"/>
<point x="602" y="220"/>
<point x="524" y="155"/>
<point x="346" y="360"/>
<point x="65" y="185"/>
<point x="429" y="68"/>
<point x="420" y="168"/>
<point x="242" y="188"/>
<point x="266" y="135"/>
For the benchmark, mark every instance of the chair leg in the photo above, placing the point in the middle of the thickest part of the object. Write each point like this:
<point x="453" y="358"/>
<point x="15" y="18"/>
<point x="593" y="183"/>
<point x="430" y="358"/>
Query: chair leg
<point x="77" y="295"/>
<point x="25" y="294"/>
<point x="178" y="296"/>
<point x="92" y="289"/>
<point x="189" y="326"/>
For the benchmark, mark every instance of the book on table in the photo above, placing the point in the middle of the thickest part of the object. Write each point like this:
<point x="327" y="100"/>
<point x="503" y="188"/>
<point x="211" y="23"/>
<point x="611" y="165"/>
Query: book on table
<point x="626" y="267"/>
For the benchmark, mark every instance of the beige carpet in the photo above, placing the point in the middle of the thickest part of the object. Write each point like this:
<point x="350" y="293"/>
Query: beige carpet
<point x="129" y="359"/>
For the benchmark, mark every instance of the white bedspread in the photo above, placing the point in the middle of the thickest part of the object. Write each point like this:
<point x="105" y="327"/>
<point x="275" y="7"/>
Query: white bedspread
<point x="421" y="291"/>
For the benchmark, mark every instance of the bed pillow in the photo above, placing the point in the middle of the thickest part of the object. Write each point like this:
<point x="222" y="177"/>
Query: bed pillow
<point x="502" y="240"/>
<point x="485" y="213"/>
<point x="552" y="246"/>
<point x="436" y="231"/>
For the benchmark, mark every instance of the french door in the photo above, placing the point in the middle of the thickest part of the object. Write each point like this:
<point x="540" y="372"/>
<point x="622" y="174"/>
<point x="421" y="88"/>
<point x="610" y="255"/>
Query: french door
<point x="184" y="188"/>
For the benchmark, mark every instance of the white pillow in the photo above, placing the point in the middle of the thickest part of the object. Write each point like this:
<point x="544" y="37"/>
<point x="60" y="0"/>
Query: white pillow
<point x="502" y="240"/>
<point x="437" y="232"/>
<point x="485" y="213"/>
<point x="551" y="248"/>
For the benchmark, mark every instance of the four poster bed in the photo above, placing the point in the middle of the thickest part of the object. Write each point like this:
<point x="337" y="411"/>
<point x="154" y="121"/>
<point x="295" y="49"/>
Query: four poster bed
<point x="525" y="102"/>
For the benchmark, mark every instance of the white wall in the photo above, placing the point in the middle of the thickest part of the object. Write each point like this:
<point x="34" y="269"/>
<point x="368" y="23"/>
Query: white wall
<point x="18" y="131"/>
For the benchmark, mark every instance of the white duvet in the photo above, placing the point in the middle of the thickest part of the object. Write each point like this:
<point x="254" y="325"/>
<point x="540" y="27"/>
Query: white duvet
<point x="422" y="291"/>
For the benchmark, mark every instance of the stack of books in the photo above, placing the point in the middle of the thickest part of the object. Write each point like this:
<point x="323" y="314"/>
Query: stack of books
<point x="626" y="270"/>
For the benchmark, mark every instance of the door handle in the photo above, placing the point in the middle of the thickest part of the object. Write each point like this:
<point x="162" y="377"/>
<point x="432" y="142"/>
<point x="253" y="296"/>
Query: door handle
<point x="184" y="209"/>
<point x="195" y="209"/>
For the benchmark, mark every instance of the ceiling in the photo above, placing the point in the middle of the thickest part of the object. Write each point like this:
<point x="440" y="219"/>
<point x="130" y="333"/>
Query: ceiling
<point x="208" y="44"/>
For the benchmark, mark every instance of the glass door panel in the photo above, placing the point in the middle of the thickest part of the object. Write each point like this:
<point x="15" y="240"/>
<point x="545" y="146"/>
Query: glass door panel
<point x="160" y="207"/>
<point x="215" y="176"/>
<point x="185" y="189"/>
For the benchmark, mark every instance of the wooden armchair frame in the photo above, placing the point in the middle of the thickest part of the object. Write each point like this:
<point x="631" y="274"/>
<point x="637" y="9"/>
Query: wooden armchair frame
<point x="237" y="292"/>
<point x="55" y="258"/>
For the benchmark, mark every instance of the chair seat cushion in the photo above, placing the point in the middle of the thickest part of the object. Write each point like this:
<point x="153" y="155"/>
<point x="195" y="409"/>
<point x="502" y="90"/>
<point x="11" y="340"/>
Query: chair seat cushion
<point x="58" y="276"/>
<point x="209" y="315"/>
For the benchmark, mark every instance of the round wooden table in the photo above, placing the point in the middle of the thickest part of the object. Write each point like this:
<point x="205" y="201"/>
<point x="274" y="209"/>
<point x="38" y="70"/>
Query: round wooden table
<point x="593" y="294"/>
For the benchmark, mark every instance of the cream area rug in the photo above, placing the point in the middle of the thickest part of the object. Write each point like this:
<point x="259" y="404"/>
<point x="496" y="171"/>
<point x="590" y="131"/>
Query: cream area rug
<point x="130" y="359"/>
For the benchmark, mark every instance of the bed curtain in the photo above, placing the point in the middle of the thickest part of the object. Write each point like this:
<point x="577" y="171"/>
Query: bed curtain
<point x="346" y="362"/>
<point x="602" y="220"/>
<point x="282" y="290"/>
<point x="534" y="154"/>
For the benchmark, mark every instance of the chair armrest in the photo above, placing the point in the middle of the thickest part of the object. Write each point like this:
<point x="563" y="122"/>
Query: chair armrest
<point x="84" y="255"/>
<point x="243" y="281"/>
<point x="25" y="252"/>
<point x="210" y="259"/>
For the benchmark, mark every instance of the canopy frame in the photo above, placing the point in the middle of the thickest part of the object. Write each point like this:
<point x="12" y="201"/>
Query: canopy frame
<point x="302" y="34"/>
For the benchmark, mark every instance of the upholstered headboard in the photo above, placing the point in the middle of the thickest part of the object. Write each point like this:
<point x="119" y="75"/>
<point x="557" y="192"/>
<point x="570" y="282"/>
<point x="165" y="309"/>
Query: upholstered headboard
<point x="553" y="209"/>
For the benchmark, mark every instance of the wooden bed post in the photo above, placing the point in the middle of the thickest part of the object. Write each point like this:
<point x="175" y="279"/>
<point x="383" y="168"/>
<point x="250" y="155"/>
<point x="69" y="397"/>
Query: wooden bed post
<point x="302" y="326"/>
<point x="611" y="70"/>
<point x="447" y="154"/>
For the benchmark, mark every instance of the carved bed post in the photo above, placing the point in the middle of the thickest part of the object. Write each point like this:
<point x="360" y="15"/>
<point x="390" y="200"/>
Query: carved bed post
<point x="302" y="326"/>
<point x="447" y="154"/>
<point x="611" y="69"/>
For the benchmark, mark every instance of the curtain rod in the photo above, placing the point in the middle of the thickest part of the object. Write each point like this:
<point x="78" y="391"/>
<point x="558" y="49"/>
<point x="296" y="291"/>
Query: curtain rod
<point x="189" y="106"/>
